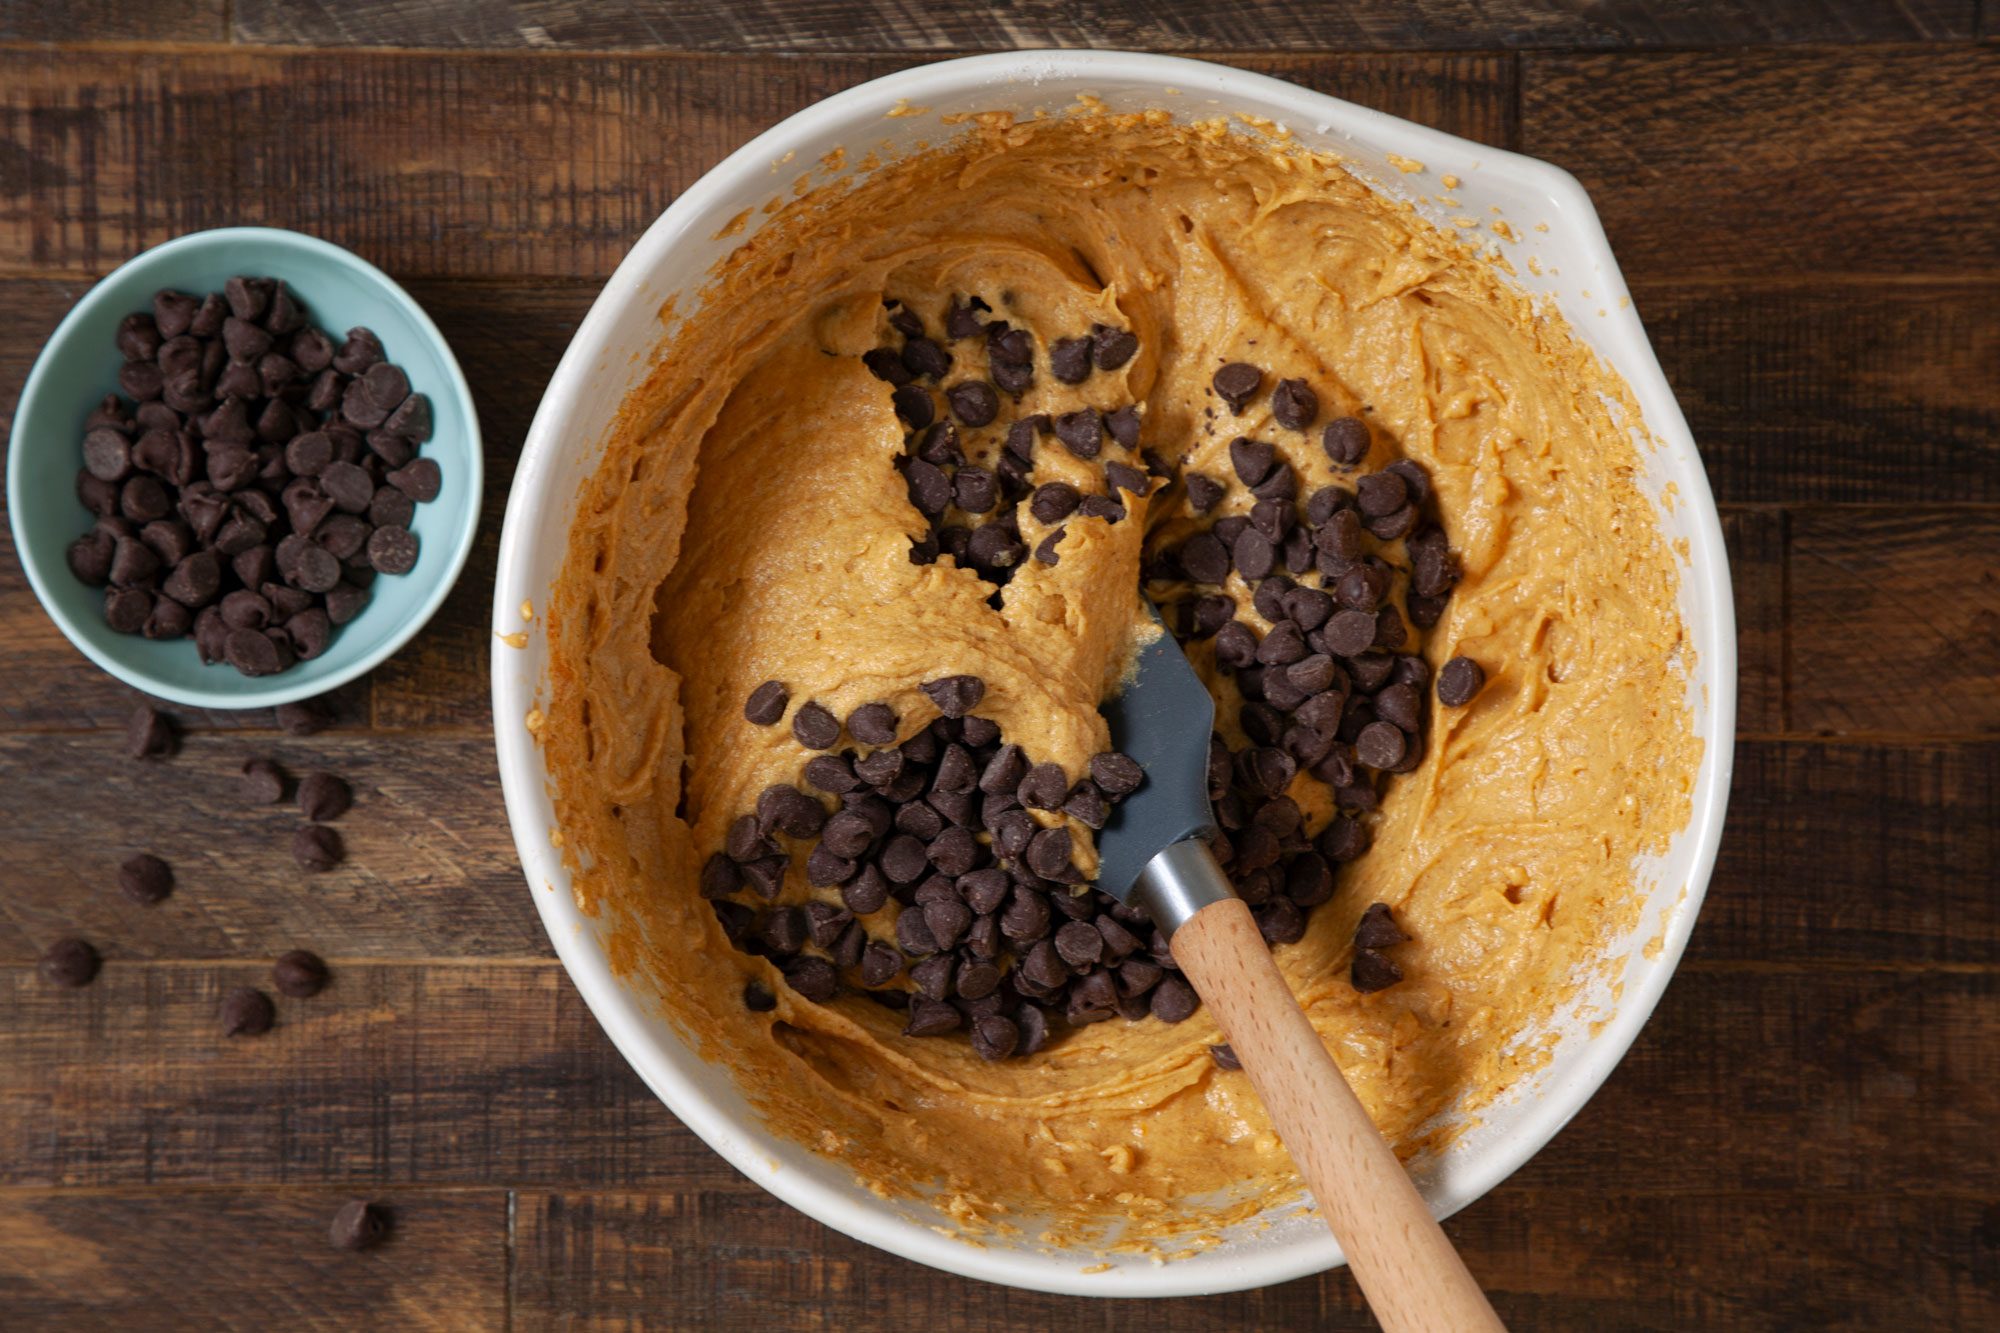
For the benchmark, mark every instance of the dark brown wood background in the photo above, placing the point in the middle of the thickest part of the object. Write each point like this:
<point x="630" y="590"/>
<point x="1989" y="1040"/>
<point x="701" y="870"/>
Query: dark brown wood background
<point x="1806" y="198"/>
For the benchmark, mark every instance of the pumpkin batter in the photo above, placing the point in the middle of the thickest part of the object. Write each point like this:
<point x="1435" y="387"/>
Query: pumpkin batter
<point x="747" y="524"/>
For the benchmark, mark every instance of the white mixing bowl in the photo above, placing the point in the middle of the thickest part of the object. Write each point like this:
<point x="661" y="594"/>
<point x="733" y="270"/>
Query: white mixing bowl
<point x="613" y="352"/>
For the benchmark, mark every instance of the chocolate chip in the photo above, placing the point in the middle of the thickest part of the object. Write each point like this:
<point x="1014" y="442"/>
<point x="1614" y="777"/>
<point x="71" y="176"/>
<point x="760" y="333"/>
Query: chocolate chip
<point x="813" y="978"/>
<point x="766" y="704"/>
<point x="1045" y="549"/>
<point x="90" y="557"/>
<point x="1204" y="558"/>
<point x="1117" y="775"/>
<point x="1379" y="493"/>
<point x="1048" y="855"/>
<point x="925" y="358"/>
<point x="1045" y="787"/>
<point x="884" y="364"/>
<point x="247" y="1012"/>
<point x="1283" y="646"/>
<point x="1459" y="681"/>
<point x="317" y="847"/>
<point x="1394" y="526"/>
<point x="931" y="1018"/>
<point x="1372" y="971"/>
<point x="960" y="321"/>
<point x="299" y="974"/>
<point x="390" y="551"/>
<point x="766" y="876"/>
<point x="1345" y="441"/>
<point x="149" y="734"/>
<point x="1069" y="359"/>
<point x="358" y="1226"/>
<point x="1174" y="1001"/>
<point x="1252" y="459"/>
<point x="1203" y="491"/>
<point x="69" y="962"/>
<point x="1401" y="704"/>
<point x="995" y="1037"/>
<point x="973" y="402"/>
<point x="1123" y="426"/>
<point x="720" y="877"/>
<point x="947" y="920"/>
<point x="263" y="782"/>
<point x="348" y="486"/>
<point x="1111" y="348"/>
<point x="145" y="878"/>
<point x="1380" y="745"/>
<point x="757" y="998"/>
<point x="1079" y="945"/>
<point x="1236" y="383"/>
<point x="1294" y="404"/>
<point x="1054" y="501"/>
<point x="421" y="480"/>
<point x="323" y="797"/>
<point x="1126" y="478"/>
<point x="1081" y="432"/>
<point x="955" y="696"/>
<point x="1253" y="554"/>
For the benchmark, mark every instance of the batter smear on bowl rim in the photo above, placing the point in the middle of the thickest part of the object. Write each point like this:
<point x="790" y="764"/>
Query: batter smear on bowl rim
<point x="865" y="555"/>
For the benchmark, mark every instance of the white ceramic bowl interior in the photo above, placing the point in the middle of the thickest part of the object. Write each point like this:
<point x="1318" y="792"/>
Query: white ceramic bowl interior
<point x="1552" y="223"/>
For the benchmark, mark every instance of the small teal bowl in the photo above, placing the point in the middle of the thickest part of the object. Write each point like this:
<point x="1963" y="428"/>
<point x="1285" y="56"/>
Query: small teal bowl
<point x="80" y="365"/>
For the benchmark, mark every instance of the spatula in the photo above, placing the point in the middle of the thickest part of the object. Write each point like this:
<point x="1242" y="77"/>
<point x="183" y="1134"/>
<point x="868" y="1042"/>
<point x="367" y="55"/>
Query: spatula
<point x="1153" y="852"/>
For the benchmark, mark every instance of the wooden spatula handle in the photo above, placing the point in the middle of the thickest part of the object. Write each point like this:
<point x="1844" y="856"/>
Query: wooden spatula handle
<point x="1412" y="1276"/>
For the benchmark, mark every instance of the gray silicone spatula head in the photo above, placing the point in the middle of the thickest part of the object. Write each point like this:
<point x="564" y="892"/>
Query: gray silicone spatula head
<point x="1163" y="719"/>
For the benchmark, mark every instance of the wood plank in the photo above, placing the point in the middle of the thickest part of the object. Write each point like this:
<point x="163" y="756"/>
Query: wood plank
<point x="888" y="25"/>
<point x="1755" y="539"/>
<point x="244" y="1259"/>
<point x="110" y="21"/>
<point x="1858" y="853"/>
<point x="1835" y="391"/>
<point x="1895" y="621"/>
<point x="1550" y="1259"/>
<point x="475" y="165"/>
<point x="1799" y="1080"/>
<point x="508" y="338"/>
<point x="1749" y="165"/>
<point x="430" y="866"/>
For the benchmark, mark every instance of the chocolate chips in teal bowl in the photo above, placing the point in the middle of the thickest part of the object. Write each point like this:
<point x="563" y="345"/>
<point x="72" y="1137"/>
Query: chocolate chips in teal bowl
<point x="425" y="541"/>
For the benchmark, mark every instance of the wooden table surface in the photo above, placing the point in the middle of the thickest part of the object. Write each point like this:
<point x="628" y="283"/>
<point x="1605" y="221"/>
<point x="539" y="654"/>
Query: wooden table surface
<point x="1805" y="195"/>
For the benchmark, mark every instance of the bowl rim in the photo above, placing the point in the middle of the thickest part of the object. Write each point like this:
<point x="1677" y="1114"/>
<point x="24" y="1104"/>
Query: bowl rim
<point x="245" y="691"/>
<point x="621" y="1013"/>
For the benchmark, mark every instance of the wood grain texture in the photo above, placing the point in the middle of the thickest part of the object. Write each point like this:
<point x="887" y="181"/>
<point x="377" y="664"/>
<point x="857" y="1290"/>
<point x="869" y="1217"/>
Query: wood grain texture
<point x="430" y="866"/>
<point x="249" y="1259"/>
<point x="1552" y="1259"/>
<point x="899" y="25"/>
<point x="1858" y="854"/>
<point x="477" y="165"/>
<point x="1895" y="621"/>
<point x="1802" y="1080"/>
<point x="1850" y="853"/>
<point x="1824" y="390"/>
<point x="111" y="21"/>
<point x="1755" y="165"/>
<point x="1755" y="540"/>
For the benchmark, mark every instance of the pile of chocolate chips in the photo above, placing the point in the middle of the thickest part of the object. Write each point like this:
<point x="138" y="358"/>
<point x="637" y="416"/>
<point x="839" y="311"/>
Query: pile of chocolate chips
<point x="973" y="509"/>
<point x="260" y="480"/>
<point x="995" y="927"/>
<point x="997" y="932"/>
<point x="1335" y="684"/>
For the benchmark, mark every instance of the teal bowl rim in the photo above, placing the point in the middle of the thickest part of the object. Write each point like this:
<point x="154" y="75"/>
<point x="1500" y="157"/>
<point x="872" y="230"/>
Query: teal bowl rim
<point x="248" y="691"/>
